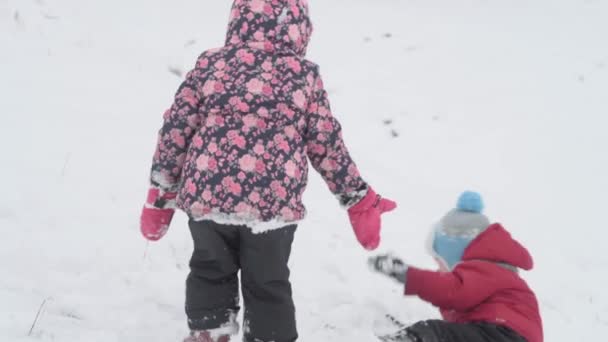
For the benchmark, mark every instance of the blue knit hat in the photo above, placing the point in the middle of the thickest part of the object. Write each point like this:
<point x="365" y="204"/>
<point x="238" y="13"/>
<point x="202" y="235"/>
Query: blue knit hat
<point x="461" y="225"/>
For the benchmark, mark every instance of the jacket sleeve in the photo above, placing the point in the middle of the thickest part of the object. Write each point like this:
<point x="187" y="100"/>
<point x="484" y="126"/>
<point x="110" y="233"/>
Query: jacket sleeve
<point x="326" y="149"/>
<point x="463" y="288"/>
<point x="181" y="122"/>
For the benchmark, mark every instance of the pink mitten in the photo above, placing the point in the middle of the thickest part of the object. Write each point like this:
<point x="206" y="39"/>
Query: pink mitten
<point x="365" y="218"/>
<point x="157" y="214"/>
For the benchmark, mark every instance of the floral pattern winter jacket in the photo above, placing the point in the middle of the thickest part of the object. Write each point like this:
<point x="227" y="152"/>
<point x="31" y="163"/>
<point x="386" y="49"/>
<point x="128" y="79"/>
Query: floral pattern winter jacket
<point x="235" y="142"/>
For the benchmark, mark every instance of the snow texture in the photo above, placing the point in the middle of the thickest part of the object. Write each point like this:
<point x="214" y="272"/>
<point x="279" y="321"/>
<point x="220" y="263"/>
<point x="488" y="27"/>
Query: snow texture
<point x="505" y="97"/>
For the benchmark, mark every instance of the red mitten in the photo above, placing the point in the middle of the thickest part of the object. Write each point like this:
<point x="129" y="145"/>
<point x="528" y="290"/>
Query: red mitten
<point x="365" y="218"/>
<point x="157" y="214"/>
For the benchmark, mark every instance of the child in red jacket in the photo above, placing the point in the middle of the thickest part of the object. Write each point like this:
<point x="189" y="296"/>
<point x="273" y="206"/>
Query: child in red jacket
<point x="478" y="289"/>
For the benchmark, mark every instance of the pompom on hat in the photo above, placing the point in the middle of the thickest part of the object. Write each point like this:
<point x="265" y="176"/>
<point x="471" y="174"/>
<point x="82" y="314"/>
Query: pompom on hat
<point x="461" y="225"/>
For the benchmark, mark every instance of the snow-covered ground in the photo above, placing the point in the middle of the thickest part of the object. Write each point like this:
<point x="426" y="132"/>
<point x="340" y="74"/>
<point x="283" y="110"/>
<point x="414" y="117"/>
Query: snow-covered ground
<point x="436" y="96"/>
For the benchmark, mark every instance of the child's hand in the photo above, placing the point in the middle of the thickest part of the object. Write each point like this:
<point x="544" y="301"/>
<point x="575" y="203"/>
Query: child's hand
<point x="390" y="266"/>
<point x="365" y="218"/>
<point x="157" y="214"/>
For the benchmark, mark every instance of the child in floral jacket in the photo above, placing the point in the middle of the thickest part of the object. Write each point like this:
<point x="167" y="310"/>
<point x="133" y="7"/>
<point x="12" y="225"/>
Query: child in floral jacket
<point x="233" y="154"/>
<point x="478" y="289"/>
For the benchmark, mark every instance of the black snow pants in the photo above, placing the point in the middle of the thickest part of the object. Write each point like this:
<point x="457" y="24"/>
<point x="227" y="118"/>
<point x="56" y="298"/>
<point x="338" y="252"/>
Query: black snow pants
<point x="212" y="287"/>
<point x="442" y="331"/>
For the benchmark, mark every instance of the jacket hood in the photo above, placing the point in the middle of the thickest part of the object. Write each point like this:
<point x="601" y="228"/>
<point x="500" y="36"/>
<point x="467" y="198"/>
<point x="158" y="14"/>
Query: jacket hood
<point x="496" y="244"/>
<point x="272" y="25"/>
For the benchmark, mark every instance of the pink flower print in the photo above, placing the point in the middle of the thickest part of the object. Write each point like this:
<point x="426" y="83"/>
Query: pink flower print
<point x="322" y="137"/>
<point x="255" y="86"/>
<point x="241" y="176"/>
<point x="212" y="147"/>
<point x="286" y="110"/>
<point x="232" y="134"/>
<point x="287" y="214"/>
<point x="258" y="149"/>
<point x="191" y="187"/>
<point x="267" y="90"/>
<point x="209" y="87"/>
<point x="323" y="111"/>
<point x="250" y="121"/>
<point x="267" y="66"/>
<point x="299" y="99"/>
<point x="260" y="166"/>
<point x="329" y="165"/>
<point x="257" y="6"/>
<point x="325" y="126"/>
<point x="244" y="28"/>
<point x="248" y="58"/>
<point x="234" y="39"/>
<point x="189" y="96"/>
<point x="197" y="141"/>
<point x="247" y="163"/>
<point x="254" y="197"/>
<point x="281" y="192"/>
<point x="290" y="168"/>
<point x="202" y="162"/>
<point x="203" y="63"/>
<point x="263" y="112"/>
<point x="290" y="132"/>
<point x="243" y="107"/>
<point x="178" y="138"/>
<point x="220" y="64"/>
<point x="268" y="46"/>
<point x="219" y="74"/>
<point x="235" y="188"/>
<point x="294" y="33"/>
<point x="194" y="120"/>
<point x="210" y="121"/>
<point x="313" y="107"/>
<point x="218" y="87"/>
<point x="234" y="13"/>
<point x="262" y="124"/>
<point x="284" y="146"/>
<point x="240" y="141"/>
<point x="206" y="195"/>
<point x="258" y="35"/>
<point x="267" y="76"/>
<point x="353" y="171"/>
<point x="293" y="64"/>
<point x="242" y="208"/>
<point x="268" y="9"/>
<point x="296" y="11"/>
<point x="212" y="164"/>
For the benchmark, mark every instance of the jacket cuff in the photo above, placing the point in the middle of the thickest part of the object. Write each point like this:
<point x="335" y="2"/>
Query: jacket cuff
<point x="353" y="198"/>
<point x="412" y="283"/>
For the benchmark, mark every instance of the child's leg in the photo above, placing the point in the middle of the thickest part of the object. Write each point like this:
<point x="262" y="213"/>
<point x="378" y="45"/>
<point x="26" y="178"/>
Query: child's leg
<point x="442" y="331"/>
<point x="269" y="308"/>
<point x="212" y="286"/>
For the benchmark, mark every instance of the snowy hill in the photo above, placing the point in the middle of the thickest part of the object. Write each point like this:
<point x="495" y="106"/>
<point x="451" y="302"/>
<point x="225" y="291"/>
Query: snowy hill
<point x="508" y="98"/>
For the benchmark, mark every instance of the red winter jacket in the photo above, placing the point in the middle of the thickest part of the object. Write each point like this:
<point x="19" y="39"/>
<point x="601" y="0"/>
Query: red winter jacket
<point x="479" y="289"/>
